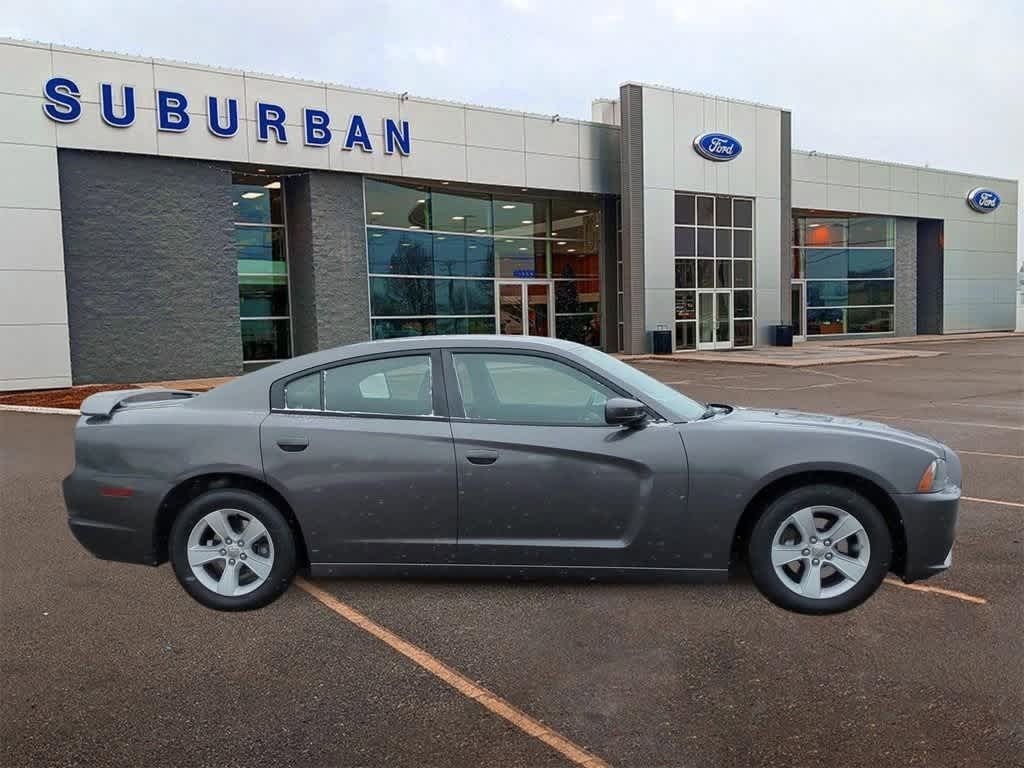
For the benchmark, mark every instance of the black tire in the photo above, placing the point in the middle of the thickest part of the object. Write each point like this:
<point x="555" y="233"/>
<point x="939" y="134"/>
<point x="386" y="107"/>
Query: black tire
<point x="279" y="531"/>
<point x="759" y="548"/>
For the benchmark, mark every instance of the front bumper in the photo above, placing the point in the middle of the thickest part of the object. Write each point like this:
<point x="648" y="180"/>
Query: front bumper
<point x="112" y="527"/>
<point x="929" y="529"/>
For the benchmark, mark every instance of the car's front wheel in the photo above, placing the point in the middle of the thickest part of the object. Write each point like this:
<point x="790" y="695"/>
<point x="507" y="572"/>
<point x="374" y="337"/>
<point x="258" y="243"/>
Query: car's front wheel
<point x="232" y="550"/>
<point x="819" y="549"/>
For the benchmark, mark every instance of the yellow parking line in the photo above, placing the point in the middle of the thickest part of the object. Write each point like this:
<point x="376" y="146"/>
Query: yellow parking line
<point x="939" y="591"/>
<point x="986" y="453"/>
<point x="993" y="501"/>
<point x="459" y="682"/>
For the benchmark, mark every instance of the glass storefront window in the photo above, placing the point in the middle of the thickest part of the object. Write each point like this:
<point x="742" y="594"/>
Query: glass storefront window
<point x="521" y="259"/>
<point x="420" y="234"/>
<point x="263" y="295"/>
<point x="743" y="274"/>
<point x="463" y="212"/>
<point x="394" y="205"/>
<point x="520" y="217"/>
<point x="398" y="296"/>
<point x="714" y="250"/>
<point x="848" y="263"/>
<point x="686" y="242"/>
<point x="686" y="209"/>
<point x="262" y="259"/>
<point x="686" y="273"/>
<point x="261" y="250"/>
<point x="253" y="202"/>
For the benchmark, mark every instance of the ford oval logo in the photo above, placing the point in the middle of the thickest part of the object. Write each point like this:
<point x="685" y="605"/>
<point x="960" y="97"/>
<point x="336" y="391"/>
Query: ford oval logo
<point x="717" y="146"/>
<point x="983" y="200"/>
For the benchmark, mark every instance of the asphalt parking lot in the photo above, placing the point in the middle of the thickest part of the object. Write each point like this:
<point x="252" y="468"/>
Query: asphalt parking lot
<point x="110" y="664"/>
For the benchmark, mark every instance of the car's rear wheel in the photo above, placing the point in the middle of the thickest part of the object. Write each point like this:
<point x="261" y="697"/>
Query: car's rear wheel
<point x="819" y="549"/>
<point x="232" y="550"/>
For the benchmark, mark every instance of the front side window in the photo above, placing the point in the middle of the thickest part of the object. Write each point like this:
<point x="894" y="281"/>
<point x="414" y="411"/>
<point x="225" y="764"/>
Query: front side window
<point x="528" y="389"/>
<point x="393" y="386"/>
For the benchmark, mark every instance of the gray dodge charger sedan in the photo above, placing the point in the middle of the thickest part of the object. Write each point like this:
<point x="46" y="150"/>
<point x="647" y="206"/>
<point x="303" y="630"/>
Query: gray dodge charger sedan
<point x="498" y="456"/>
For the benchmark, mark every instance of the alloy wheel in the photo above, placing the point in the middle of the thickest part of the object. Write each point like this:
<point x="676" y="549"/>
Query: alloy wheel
<point x="820" y="552"/>
<point x="230" y="552"/>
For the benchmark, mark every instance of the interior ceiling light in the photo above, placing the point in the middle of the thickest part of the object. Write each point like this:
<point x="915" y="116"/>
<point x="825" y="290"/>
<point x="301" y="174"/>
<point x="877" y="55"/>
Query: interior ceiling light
<point x="572" y="250"/>
<point x="508" y="206"/>
<point x="414" y="226"/>
<point x="561" y="242"/>
<point x="527" y="221"/>
<point x="377" y="234"/>
<point x="422" y="200"/>
<point x="234" y="202"/>
<point x="581" y="210"/>
<point x="481" y="230"/>
<point x="458" y="218"/>
<point x="261" y="170"/>
<point x="252" y="195"/>
<point x="376" y="213"/>
<point x="272" y="185"/>
<point x="444" y="183"/>
<point x="554" y="234"/>
<point x="510" y="241"/>
<point x="522" y="249"/>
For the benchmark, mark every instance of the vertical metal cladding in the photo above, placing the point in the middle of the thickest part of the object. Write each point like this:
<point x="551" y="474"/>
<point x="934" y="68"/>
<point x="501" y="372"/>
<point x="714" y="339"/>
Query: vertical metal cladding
<point x="786" y="217"/>
<point x="150" y="263"/>
<point x="632" y="165"/>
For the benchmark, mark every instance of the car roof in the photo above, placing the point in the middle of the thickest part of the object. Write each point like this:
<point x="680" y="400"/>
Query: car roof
<point x="251" y="391"/>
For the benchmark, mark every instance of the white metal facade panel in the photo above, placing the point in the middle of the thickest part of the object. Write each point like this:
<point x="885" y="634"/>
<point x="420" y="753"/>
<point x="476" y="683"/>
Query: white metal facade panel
<point x="34" y="347"/>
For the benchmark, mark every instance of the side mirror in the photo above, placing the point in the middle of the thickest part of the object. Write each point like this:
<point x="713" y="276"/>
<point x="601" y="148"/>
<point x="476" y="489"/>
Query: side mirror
<point x="625" y="412"/>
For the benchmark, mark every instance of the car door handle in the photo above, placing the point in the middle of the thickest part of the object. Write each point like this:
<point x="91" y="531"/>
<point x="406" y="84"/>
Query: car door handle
<point x="293" y="444"/>
<point x="482" y="457"/>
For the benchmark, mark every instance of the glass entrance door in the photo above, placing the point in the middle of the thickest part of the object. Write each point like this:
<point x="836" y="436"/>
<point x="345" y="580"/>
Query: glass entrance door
<point x="524" y="308"/>
<point x="798" y="300"/>
<point x="714" y="319"/>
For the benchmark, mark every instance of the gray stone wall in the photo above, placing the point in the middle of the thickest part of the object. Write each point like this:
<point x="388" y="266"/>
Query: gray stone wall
<point x="152" y="278"/>
<point x="906" y="277"/>
<point x="327" y="254"/>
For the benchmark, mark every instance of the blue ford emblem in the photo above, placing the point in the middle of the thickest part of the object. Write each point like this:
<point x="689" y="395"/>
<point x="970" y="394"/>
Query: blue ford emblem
<point x="983" y="200"/>
<point x="717" y="146"/>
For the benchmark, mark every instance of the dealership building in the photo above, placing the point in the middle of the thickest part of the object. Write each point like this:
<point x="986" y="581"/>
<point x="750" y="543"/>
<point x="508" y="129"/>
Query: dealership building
<point x="164" y="220"/>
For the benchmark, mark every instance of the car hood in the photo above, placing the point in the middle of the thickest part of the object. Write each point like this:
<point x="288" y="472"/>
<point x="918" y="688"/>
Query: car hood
<point x="822" y="421"/>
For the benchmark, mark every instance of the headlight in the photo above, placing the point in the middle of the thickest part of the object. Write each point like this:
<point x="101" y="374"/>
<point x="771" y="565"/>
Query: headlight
<point x="934" y="477"/>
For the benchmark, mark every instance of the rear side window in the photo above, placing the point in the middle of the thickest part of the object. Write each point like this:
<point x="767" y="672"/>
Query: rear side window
<point x="303" y="394"/>
<point x="394" y="386"/>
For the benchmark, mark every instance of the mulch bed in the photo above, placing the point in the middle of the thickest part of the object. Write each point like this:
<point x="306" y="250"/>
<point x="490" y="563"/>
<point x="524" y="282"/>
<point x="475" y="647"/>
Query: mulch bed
<point x="71" y="397"/>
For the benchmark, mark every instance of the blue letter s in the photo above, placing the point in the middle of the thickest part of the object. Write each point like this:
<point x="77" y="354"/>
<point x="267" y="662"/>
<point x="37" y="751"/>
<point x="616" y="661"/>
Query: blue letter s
<point x="62" y="100"/>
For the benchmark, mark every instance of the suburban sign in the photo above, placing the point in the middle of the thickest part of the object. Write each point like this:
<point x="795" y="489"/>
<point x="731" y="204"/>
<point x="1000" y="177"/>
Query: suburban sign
<point x="63" y="105"/>
<point x="983" y="200"/>
<point x="717" y="146"/>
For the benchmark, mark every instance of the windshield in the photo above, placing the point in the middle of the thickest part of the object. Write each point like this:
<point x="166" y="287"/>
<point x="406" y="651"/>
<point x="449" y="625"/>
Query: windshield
<point x="675" y="401"/>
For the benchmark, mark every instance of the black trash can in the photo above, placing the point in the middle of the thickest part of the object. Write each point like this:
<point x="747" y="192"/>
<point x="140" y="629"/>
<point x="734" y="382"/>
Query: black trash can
<point x="782" y="335"/>
<point x="661" y="342"/>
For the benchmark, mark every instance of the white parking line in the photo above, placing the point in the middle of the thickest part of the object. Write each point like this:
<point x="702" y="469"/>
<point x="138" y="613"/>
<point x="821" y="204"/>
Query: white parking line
<point x="945" y="421"/>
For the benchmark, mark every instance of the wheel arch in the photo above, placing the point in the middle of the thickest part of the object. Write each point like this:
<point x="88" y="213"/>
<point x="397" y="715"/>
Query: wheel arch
<point x="871" y="490"/>
<point x="185" y="491"/>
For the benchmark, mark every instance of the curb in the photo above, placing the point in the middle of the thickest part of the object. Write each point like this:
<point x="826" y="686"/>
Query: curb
<point x="40" y="409"/>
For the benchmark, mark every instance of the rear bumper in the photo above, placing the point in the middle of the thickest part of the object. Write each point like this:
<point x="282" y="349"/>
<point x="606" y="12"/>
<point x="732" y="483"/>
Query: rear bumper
<point x="929" y="527"/>
<point x="113" y="527"/>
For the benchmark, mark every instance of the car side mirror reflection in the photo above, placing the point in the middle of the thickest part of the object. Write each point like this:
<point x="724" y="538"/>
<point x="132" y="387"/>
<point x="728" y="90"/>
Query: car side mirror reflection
<point x="625" y="412"/>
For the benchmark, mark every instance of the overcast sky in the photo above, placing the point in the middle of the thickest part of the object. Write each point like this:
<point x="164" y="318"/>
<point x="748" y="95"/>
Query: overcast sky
<point x="936" y="82"/>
